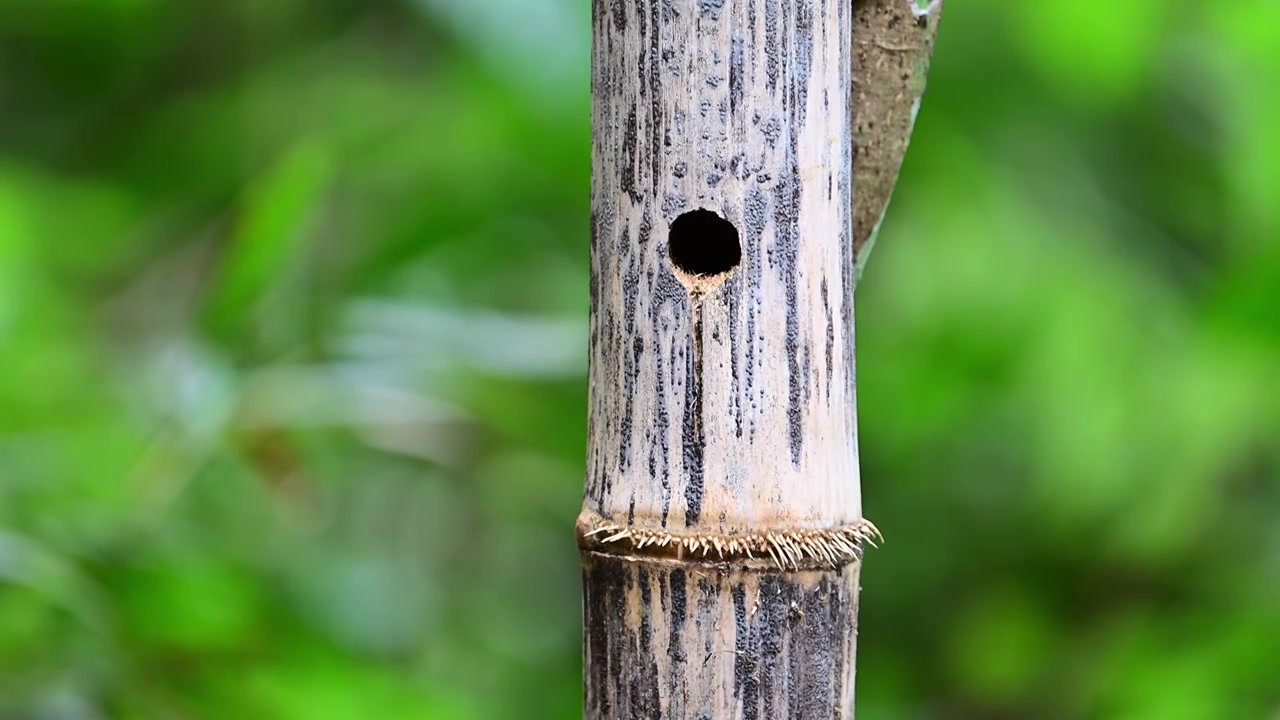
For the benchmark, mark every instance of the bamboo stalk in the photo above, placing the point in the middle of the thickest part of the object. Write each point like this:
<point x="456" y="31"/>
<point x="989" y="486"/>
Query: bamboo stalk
<point x="722" y="529"/>
<point x="893" y="47"/>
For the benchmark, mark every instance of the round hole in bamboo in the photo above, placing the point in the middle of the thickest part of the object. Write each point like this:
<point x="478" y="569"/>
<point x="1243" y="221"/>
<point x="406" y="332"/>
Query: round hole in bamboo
<point x="703" y="244"/>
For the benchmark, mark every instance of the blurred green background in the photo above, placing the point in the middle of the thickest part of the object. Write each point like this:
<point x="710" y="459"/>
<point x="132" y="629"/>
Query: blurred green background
<point x="293" y="314"/>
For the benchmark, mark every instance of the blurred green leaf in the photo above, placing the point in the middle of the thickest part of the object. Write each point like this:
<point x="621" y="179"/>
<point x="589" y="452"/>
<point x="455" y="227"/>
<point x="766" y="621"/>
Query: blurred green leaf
<point x="190" y="605"/>
<point x="271" y="229"/>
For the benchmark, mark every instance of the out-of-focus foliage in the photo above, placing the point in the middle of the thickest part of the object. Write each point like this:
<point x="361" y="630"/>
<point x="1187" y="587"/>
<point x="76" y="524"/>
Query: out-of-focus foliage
<point x="292" y="338"/>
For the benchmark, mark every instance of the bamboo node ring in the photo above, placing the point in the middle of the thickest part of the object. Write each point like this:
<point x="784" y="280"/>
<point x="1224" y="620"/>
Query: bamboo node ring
<point x="788" y="549"/>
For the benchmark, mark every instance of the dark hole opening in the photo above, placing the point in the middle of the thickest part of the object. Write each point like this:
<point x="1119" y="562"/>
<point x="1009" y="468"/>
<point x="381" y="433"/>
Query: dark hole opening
<point x="703" y="243"/>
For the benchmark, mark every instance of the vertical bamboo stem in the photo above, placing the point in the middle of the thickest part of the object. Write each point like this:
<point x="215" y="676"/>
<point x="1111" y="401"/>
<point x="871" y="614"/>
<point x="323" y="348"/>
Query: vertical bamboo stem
<point x="722" y="523"/>
<point x="893" y="47"/>
<point x="721" y="530"/>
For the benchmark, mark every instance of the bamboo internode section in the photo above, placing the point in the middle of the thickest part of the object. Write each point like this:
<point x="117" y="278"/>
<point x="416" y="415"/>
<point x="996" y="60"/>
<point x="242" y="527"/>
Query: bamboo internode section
<point x="741" y="109"/>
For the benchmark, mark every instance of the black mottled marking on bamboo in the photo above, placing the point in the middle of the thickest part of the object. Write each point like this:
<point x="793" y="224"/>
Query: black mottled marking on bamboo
<point x="637" y="350"/>
<point x="602" y="244"/>
<point x="693" y="442"/>
<point x="603" y="591"/>
<point x="802" y="67"/>
<point x="594" y="285"/>
<point x="601" y="469"/>
<point x="629" y="377"/>
<point x="708" y="593"/>
<point x="644" y="233"/>
<point x="613" y="368"/>
<point x="667" y="290"/>
<point x="799" y="372"/>
<point x="631" y="510"/>
<point x="799" y="635"/>
<point x="772" y="54"/>
<point x="661" y="443"/>
<point x="678" y="616"/>
<point x="618" y="579"/>
<point x="630" y="160"/>
<point x="774" y="605"/>
<point x="667" y="581"/>
<point x="830" y="346"/>
<point x="595" y="648"/>
<point x="620" y="16"/>
<point x="732" y="291"/>
<point x="707" y="622"/>
<point x="755" y="215"/>
<point x="658" y="139"/>
<point x="735" y="74"/>
<point x="669" y="301"/>
<point x="711" y="8"/>
<point x="786" y="210"/>
<point x="772" y="131"/>
<point x="643" y="686"/>
<point x="746" y="681"/>
<point x="672" y="205"/>
<point x="629" y="381"/>
<point x="822" y="690"/>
